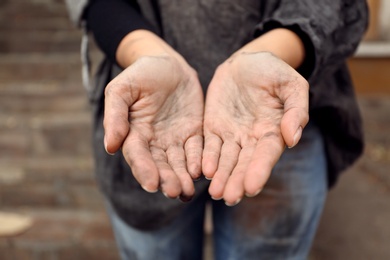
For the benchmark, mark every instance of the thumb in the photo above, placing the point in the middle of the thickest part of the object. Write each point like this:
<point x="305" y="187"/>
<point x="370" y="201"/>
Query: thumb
<point x="295" y="95"/>
<point x="118" y="100"/>
<point x="293" y="122"/>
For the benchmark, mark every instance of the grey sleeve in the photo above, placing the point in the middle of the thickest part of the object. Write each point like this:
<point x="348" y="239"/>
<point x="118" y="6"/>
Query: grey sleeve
<point x="76" y="10"/>
<point x="331" y="29"/>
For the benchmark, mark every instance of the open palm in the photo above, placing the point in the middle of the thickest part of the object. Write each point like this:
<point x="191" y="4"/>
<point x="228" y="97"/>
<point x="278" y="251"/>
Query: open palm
<point x="154" y="111"/>
<point x="256" y="105"/>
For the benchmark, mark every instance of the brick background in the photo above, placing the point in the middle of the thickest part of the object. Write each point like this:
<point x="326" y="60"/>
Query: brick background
<point x="36" y="26"/>
<point x="46" y="169"/>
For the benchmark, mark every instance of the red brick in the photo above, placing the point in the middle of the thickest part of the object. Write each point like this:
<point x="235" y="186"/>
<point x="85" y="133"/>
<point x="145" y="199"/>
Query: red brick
<point x="13" y="143"/>
<point x="97" y="232"/>
<point x="23" y="195"/>
<point x="45" y="70"/>
<point x="12" y="253"/>
<point x="108" y="252"/>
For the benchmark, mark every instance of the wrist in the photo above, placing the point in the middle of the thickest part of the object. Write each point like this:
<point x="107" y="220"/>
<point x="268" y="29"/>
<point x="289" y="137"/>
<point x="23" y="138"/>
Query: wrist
<point x="282" y="43"/>
<point x="141" y="43"/>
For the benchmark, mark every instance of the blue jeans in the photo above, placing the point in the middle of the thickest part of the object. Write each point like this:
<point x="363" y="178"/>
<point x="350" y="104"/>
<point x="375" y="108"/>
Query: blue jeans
<point x="279" y="223"/>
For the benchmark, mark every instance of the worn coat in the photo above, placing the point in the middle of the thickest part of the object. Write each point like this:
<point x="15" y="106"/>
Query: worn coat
<point x="206" y="32"/>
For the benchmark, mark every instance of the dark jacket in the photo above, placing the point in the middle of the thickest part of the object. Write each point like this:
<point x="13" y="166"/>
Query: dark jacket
<point x="206" y="32"/>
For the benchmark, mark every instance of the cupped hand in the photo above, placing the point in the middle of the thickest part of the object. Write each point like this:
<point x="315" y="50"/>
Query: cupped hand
<point x="154" y="112"/>
<point x="256" y="104"/>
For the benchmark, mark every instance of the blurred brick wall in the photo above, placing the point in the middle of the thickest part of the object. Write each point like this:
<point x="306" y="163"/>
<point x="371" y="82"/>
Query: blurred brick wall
<point x="46" y="168"/>
<point x="36" y="26"/>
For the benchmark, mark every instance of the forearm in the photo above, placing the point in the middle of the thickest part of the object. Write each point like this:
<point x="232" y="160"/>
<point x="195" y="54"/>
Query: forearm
<point x="142" y="43"/>
<point x="282" y="43"/>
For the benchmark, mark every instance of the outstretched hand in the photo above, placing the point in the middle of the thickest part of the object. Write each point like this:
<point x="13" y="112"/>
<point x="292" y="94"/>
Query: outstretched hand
<point x="154" y="112"/>
<point x="256" y="105"/>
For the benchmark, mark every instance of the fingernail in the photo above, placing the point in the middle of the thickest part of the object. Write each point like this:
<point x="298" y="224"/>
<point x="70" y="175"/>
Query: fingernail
<point x="112" y="154"/>
<point x="234" y="204"/>
<point x="253" y="195"/>
<point x="150" y="191"/>
<point x="208" y="178"/>
<point x="105" y="146"/>
<point x="214" y="198"/>
<point x="297" y="136"/>
<point x="172" y="198"/>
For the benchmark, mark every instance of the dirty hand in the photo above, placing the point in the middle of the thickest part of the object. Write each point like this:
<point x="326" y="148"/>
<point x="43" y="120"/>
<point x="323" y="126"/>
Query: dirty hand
<point x="154" y="112"/>
<point x="256" y="104"/>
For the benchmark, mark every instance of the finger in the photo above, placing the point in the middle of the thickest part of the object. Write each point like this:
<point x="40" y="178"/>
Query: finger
<point x="169" y="182"/>
<point x="116" y="115"/>
<point x="211" y="154"/>
<point x="177" y="160"/>
<point x="193" y="150"/>
<point x="137" y="154"/>
<point x="296" y="107"/>
<point x="292" y="124"/>
<point x="229" y="156"/>
<point x="268" y="151"/>
<point x="234" y="190"/>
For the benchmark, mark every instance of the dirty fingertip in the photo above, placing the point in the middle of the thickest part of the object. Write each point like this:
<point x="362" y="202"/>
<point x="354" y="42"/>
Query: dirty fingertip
<point x="297" y="137"/>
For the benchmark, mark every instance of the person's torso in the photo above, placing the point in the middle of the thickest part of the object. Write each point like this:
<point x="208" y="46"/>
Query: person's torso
<point x="207" y="32"/>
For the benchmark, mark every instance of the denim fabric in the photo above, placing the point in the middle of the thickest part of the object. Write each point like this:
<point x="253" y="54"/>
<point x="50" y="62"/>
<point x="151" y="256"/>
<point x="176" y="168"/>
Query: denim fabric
<point x="279" y="223"/>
